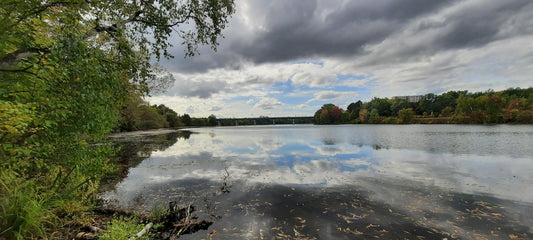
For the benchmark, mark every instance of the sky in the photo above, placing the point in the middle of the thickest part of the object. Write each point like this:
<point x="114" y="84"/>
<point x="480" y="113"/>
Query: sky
<point x="289" y="57"/>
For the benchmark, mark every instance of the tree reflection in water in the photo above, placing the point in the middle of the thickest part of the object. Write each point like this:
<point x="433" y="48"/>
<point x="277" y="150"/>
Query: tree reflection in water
<point x="134" y="147"/>
<point x="340" y="182"/>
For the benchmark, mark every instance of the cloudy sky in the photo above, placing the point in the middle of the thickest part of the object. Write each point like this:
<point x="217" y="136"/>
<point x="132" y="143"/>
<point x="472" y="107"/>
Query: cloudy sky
<point x="289" y="57"/>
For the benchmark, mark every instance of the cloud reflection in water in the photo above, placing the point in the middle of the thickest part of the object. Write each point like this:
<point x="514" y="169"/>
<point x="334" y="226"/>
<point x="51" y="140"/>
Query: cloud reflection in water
<point x="420" y="161"/>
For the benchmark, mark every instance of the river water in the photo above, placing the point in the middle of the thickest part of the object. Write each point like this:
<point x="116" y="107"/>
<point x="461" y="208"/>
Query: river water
<point x="336" y="182"/>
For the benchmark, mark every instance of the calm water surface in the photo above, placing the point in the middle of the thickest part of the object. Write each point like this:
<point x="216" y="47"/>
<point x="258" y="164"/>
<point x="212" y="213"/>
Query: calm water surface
<point x="337" y="182"/>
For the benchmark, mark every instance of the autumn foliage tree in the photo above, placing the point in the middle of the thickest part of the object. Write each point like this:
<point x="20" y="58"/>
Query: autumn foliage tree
<point x="328" y="114"/>
<point x="514" y="105"/>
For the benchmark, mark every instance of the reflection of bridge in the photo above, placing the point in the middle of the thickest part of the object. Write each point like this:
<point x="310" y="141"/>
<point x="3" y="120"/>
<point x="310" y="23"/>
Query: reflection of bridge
<point x="264" y="121"/>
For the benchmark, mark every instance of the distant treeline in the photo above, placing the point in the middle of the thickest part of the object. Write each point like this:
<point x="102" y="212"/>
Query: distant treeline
<point x="514" y="105"/>
<point x="140" y="115"/>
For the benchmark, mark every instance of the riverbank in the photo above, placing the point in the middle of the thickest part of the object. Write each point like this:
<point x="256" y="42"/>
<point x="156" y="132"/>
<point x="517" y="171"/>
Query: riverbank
<point x="113" y="224"/>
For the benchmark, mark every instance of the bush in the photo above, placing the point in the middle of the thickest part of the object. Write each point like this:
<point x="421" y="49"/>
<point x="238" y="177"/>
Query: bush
<point x="390" y="120"/>
<point x="405" y="115"/>
<point x="525" y="116"/>
<point x="446" y="112"/>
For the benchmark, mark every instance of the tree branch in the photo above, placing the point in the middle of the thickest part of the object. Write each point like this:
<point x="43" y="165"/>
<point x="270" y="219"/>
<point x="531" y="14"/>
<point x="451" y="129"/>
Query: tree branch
<point x="41" y="9"/>
<point x="10" y="60"/>
<point x="16" y="70"/>
<point x="113" y="28"/>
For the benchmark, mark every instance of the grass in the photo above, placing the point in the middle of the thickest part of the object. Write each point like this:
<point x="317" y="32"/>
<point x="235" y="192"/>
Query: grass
<point x="122" y="228"/>
<point x="36" y="206"/>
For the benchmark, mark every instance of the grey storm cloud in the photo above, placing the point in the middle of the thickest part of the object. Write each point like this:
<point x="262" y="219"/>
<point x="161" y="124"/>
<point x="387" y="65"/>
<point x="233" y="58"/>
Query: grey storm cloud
<point x="299" y="29"/>
<point x="200" y="89"/>
<point x="296" y="29"/>
<point x="480" y="24"/>
<point x="207" y="59"/>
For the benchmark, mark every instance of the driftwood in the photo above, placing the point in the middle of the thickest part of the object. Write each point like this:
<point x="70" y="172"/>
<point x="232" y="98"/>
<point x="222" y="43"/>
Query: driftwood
<point x="192" y="227"/>
<point x="178" y="222"/>
<point x="93" y="234"/>
<point x="142" y="232"/>
<point x="86" y="236"/>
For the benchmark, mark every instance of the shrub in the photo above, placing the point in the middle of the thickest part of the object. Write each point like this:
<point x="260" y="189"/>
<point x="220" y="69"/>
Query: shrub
<point x="405" y="115"/>
<point x="390" y="120"/>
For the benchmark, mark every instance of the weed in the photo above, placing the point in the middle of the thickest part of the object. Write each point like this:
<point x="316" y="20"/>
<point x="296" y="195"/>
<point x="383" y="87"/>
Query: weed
<point x="122" y="228"/>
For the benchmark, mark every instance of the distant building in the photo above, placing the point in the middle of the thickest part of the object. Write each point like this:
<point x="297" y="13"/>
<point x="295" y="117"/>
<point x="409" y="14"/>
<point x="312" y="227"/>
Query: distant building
<point x="415" y="98"/>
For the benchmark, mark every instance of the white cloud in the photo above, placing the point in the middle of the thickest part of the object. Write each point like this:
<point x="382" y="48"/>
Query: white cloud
<point x="333" y="95"/>
<point x="301" y="106"/>
<point x="190" y="109"/>
<point x="313" y="75"/>
<point x="268" y="103"/>
<point x="250" y="101"/>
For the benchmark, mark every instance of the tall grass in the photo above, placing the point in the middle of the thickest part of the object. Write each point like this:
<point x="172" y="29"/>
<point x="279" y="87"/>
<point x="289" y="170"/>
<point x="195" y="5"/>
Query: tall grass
<point x="122" y="228"/>
<point x="24" y="214"/>
<point x="37" y="199"/>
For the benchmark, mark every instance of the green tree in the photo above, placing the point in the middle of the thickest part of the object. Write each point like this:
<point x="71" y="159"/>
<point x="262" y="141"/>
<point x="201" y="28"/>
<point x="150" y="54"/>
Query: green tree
<point x="201" y="122"/>
<point x="427" y="104"/>
<point x="374" y="116"/>
<point x="471" y="109"/>
<point x="397" y="105"/>
<point x="444" y="100"/>
<point x="446" y="112"/>
<point x="67" y="68"/>
<point x="170" y="115"/>
<point x="354" y="109"/>
<point x="524" y="116"/>
<point x="186" y="119"/>
<point x="173" y="120"/>
<point x="355" y="106"/>
<point x="467" y="105"/>
<point x="212" y="120"/>
<point x="139" y="115"/>
<point x="493" y="108"/>
<point x="405" y="115"/>
<point x="150" y="119"/>
<point x="382" y="105"/>
<point x="515" y="93"/>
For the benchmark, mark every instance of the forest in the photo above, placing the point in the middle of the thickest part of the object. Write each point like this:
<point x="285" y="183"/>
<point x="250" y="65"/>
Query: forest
<point x="138" y="114"/>
<point x="514" y="105"/>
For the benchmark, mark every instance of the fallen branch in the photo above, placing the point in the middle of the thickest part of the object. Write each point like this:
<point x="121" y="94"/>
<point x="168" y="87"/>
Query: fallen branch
<point x="191" y="227"/>
<point x="86" y="236"/>
<point x="89" y="235"/>
<point x="142" y="232"/>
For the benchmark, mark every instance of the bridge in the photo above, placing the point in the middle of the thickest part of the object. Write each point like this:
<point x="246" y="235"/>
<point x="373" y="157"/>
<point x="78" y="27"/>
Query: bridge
<point x="264" y="121"/>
